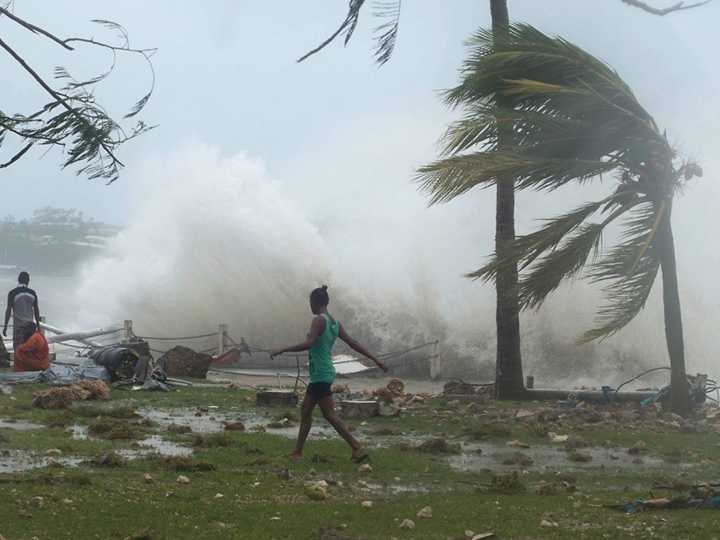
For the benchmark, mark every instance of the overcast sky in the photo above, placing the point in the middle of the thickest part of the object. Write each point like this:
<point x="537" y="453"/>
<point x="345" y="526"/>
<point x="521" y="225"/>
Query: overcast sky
<point x="341" y="137"/>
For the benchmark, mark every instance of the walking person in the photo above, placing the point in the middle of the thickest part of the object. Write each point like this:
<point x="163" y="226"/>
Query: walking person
<point x="23" y="305"/>
<point x="324" y="330"/>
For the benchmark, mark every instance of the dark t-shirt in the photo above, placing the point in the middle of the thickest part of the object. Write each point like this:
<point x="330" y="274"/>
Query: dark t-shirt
<point x="23" y="301"/>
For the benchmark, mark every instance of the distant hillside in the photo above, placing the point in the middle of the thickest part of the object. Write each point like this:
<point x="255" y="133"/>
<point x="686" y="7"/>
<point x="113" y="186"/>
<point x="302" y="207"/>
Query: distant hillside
<point x="55" y="241"/>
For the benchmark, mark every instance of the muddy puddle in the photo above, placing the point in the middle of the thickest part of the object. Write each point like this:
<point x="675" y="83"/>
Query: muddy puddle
<point x="21" y="425"/>
<point x="545" y="458"/>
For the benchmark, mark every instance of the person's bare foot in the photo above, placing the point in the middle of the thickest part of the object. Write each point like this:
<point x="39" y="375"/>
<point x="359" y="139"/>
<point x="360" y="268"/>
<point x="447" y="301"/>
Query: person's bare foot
<point x="358" y="455"/>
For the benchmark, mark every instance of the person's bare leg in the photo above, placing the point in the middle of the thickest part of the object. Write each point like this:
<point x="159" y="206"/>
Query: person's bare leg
<point x="328" y="411"/>
<point x="305" y="425"/>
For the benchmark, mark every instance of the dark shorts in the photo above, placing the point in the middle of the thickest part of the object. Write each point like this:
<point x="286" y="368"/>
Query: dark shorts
<point x="319" y="390"/>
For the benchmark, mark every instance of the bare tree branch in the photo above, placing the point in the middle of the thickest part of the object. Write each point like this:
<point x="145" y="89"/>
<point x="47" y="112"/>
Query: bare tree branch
<point x="34" y="29"/>
<point x="656" y="11"/>
<point x="55" y="95"/>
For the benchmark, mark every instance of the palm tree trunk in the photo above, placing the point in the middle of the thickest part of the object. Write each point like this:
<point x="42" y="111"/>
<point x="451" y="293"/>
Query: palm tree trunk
<point x="508" y="366"/>
<point x="681" y="402"/>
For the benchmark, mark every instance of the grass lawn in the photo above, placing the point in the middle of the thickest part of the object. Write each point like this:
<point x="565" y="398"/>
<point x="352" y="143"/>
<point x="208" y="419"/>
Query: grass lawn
<point x="83" y="473"/>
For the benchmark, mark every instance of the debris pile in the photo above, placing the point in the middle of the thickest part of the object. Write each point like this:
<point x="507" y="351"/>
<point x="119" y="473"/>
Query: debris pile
<point x="184" y="362"/>
<point x="62" y="397"/>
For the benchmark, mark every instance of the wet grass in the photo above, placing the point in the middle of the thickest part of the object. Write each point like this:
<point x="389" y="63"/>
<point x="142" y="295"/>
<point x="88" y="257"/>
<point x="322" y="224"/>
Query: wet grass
<point x="238" y="481"/>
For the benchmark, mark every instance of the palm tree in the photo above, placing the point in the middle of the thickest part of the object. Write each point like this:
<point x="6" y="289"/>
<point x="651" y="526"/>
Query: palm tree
<point x="508" y="361"/>
<point x="546" y="113"/>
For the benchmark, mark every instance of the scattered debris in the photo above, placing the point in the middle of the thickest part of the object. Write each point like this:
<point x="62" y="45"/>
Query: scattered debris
<point x="315" y="493"/>
<point x="424" y="513"/>
<point x="396" y="387"/>
<point x="439" y="446"/>
<point x="518" y="458"/>
<point x="407" y="525"/>
<point x="182" y="480"/>
<point x="636" y="448"/>
<point x="517" y="444"/>
<point x="184" y="362"/>
<point x="149" y="479"/>
<point x="546" y="488"/>
<point x="367" y="504"/>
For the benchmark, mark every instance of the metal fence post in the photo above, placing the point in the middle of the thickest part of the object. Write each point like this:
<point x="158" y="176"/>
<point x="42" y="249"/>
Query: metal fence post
<point x="435" y="361"/>
<point x="128" y="331"/>
<point x="222" y="338"/>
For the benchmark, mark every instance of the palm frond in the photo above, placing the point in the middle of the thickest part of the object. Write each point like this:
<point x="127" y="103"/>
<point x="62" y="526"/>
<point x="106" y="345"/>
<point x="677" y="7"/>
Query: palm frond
<point x="387" y="33"/>
<point x="524" y="250"/>
<point x="562" y="264"/>
<point x="627" y="293"/>
<point x="347" y="27"/>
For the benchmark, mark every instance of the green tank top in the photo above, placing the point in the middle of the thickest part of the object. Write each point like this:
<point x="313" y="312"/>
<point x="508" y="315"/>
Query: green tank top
<point x="321" y="365"/>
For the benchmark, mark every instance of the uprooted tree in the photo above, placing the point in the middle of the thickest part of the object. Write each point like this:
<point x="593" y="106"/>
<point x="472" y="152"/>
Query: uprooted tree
<point x="72" y="119"/>
<point x="568" y="117"/>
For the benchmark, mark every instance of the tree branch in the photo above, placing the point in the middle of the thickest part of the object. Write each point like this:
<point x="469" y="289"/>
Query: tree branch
<point x="661" y="12"/>
<point x="55" y="95"/>
<point x="34" y="29"/>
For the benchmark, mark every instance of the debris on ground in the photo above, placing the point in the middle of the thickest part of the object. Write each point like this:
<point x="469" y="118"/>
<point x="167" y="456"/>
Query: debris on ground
<point x="699" y="496"/>
<point x="518" y="458"/>
<point x="315" y="493"/>
<point x="62" y="397"/>
<point x="184" y="362"/>
<point x="327" y="532"/>
<point x="407" y="525"/>
<point x="424" y="513"/>
<point x="182" y="480"/>
<point x="637" y="448"/>
<point x="508" y="482"/>
<point x="396" y="387"/>
<point x="439" y="446"/>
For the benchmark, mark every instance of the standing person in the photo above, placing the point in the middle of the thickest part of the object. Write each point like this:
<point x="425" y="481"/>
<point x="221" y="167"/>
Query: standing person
<point x="23" y="304"/>
<point x="324" y="330"/>
<point x="33" y="354"/>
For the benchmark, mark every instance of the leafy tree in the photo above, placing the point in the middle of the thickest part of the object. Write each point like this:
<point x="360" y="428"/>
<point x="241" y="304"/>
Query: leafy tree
<point x="48" y="214"/>
<point x="72" y="119"/>
<point x="570" y="117"/>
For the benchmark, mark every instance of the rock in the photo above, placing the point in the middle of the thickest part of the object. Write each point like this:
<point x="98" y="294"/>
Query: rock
<point x="636" y="448"/>
<point x="219" y="496"/>
<point x="315" y="493"/>
<point x="149" y="479"/>
<point x="182" y="480"/>
<point x="546" y="488"/>
<point x="554" y="437"/>
<point x="52" y="452"/>
<point x="517" y="444"/>
<point x="525" y="414"/>
<point x="407" y="525"/>
<point x="469" y="534"/>
<point x="544" y="524"/>
<point x="312" y="472"/>
<point x="580" y="457"/>
<point x="36" y="502"/>
<point x="233" y="426"/>
<point x="424" y="513"/>
<point x="364" y="468"/>
<point x="275" y="518"/>
<point x="396" y="387"/>
<point x="520" y="459"/>
<point x="184" y="362"/>
<point x="322" y="483"/>
<point x="387" y="409"/>
<point x="367" y="504"/>
<point x="383" y="394"/>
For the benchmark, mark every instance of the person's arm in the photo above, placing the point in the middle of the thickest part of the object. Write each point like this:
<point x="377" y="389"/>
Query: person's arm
<point x="36" y="309"/>
<point x="316" y="328"/>
<point x="356" y="346"/>
<point x="8" y="312"/>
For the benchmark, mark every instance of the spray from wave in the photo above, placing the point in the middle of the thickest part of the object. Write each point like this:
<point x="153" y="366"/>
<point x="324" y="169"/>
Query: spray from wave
<point x="215" y="240"/>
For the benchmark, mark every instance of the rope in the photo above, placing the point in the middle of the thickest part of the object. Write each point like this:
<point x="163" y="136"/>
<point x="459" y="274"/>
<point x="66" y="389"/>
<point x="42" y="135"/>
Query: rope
<point x="183" y="338"/>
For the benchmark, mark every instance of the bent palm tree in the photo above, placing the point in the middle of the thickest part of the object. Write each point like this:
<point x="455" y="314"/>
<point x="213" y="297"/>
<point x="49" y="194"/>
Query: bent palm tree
<point x="569" y="117"/>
